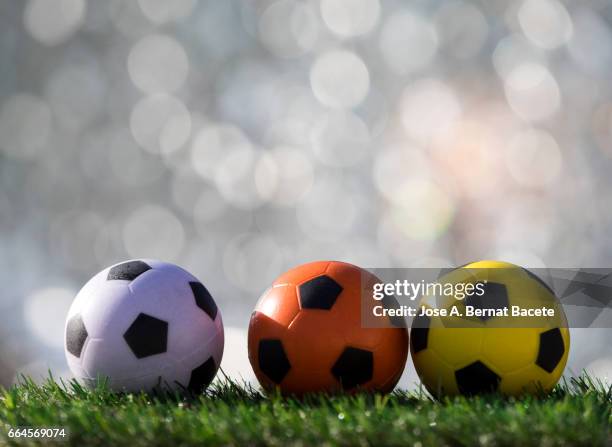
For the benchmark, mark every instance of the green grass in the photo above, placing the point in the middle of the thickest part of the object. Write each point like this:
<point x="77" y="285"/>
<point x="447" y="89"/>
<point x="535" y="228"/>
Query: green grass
<point x="576" y="413"/>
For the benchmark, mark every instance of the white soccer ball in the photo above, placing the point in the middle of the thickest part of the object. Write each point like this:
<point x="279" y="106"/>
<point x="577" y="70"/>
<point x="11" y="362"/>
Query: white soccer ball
<point x="143" y="324"/>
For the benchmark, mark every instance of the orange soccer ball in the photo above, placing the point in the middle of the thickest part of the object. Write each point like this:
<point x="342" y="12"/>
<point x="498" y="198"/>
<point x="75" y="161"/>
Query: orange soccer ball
<point x="306" y="334"/>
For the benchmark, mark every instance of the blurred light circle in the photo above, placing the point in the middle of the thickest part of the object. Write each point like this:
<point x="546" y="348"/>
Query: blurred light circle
<point x="52" y="22"/>
<point x="534" y="158"/>
<point x="212" y="144"/>
<point x="532" y="92"/>
<point x="153" y="231"/>
<point x="392" y="165"/>
<point x="513" y="51"/>
<point x="391" y="236"/>
<point x="209" y="206"/>
<point x="158" y="63"/>
<point x="340" y="138"/>
<point x="408" y="42"/>
<point x="294" y="175"/>
<point x="462" y="28"/>
<point x="25" y="125"/>
<point x="242" y="261"/>
<point x="348" y="18"/>
<point x="76" y="94"/>
<point x="164" y="11"/>
<point x="288" y="28"/>
<point x="45" y="313"/>
<point x="546" y="23"/>
<point x="339" y="79"/>
<point x="246" y="178"/>
<point x="428" y="108"/>
<point x="422" y="210"/>
<point x="160" y="123"/>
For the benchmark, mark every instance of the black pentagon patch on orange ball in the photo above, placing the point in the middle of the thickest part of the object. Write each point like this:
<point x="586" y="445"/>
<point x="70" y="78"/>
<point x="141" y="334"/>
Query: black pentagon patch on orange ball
<point x="354" y="367"/>
<point x="551" y="350"/>
<point x="76" y="334"/>
<point x="147" y="336"/>
<point x="273" y="361"/>
<point x="202" y="376"/>
<point x="203" y="299"/>
<point x="390" y="302"/>
<point x="476" y="378"/>
<point x="495" y="296"/>
<point x="127" y="271"/>
<point x="319" y="293"/>
<point x="419" y="333"/>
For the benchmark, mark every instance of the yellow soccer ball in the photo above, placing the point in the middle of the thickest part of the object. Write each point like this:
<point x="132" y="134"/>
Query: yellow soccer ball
<point x="473" y="349"/>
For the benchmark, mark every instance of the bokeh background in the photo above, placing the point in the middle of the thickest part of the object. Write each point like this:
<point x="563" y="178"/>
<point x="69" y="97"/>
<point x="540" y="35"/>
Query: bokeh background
<point x="241" y="138"/>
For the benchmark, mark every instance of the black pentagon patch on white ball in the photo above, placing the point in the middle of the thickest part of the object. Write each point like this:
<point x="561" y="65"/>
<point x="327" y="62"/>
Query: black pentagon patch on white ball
<point x="202" y="376"/>
<point x="476" y="378"/>
<point x="203" y="299"/>
<point x="147" y="336"/>
<point x="273" y="360"/>
<point x="76" y="334"/>
<point x="495" y="296"/>
<point x="551" y="350"/>
<point x="354" y="367"/>
<point x="419" y="333"/>
<point x="128" y="271"/>
<point x="319" y="293"/>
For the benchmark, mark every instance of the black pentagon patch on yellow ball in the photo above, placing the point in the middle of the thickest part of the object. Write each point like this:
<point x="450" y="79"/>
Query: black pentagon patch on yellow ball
<point x="76" y="334"/>
<point x="354" y="367"/>
<point x="272" y="359"/>
<point x="147" y="336"/>
<point x="419" y="333"/>
<point x="551" y="350"/>
<point x="128" y="271"/>
<point x="538" y="280"/>
<point x="495" y="296"/>
<point x="203" y="299"/>
<point x="202" y="376"/>
<point x="319" y="293"/>
<point x="476" y="378"/>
